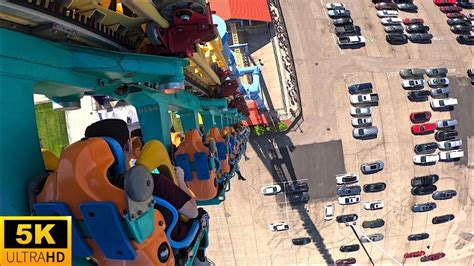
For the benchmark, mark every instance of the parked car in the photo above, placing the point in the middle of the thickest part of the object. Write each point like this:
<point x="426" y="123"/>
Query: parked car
<point x="283" y="226"/>
<point x="338" y="13"/>
<point x="470" y="16"/>
<point x="443" y="103"/>
<point x="349" y="200"/>
<point x="426" y="128"/>
<point x="360" y="88"/>
<point x="374" y="187"/>
<point x="458" y="21"/>
<point x="420" y="95"/>
<point x="373" y="238"/>
<point x="348" y="191"/>
<point x="365" y="132"/>
<point x="346" y="179"/>
<point x="270" y="190"/>
<point x="433" y="257"/>
<point x="350" y="41"/>
<point x="347" y="30"/>
<point x="424" y="180"/>
<point x="446" y="124"/>
<point x="451" y="155"/>
<point x="373" y="224"/>
<point x="437" y="72"/>
<point x="455" y="15"/>
<point x="347" y="218"/>
<point x="442" y="219"/>
<point x="344" y="262"/>
<point x="465" y="39"/>
<point x="349" y="248"/>
<point x="424" y="207"/>
<point x="418" y="237"/>
<point x="361" y="111"/>
<point x="423" y="190"/>
<point x="444" y="2"/>
<point x="420" y="37"/>
<point x="426" y="148"/>
<point x="417" y="28"/>
<point x="396" y="38"/>
<point x="425" y="159"/>
<point x="446" y="135"/>
<point x="410" y="21"/>
<point x="372" y="167"/>
<point x="420" y="117"/>
<point x="391" y="21"/>
<point x="444" y="194"/>
<point x="385" y="5"/>
<point x="387" y="13"/>
<point x="362" y="121"/>
<point x="414" y="254"/>
<point x="328" y="211"/>
<point x="450" y="144"/>
<point x="411" y="73"/>
<point x="458" y="29"/>
<point x="407" y="7"/>
<point x="465" y="4"/>
<point x="440" y="92"/>
<point x="300" y="241"/>
<point x="302" y="197"/>
<point x="374" y="205"/>
<point x="413" y="84"/>
<point x="369" y="98"/>
<point x="438" y="82"/>
<point x="335" y="6"/>
<point x="449" y="9"/>
<point x="393" y="29"/>
<point x="296" y="187"/>
<point x="342" y="21"/>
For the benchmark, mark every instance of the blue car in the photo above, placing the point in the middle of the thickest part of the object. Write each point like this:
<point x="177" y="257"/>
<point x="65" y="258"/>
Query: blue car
<point x="424" y="207"/>
<point x="360" y="88"/>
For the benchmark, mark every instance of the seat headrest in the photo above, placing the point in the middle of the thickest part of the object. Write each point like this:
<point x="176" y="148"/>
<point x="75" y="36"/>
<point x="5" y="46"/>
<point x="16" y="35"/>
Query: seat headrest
<point x="119" y="165"/>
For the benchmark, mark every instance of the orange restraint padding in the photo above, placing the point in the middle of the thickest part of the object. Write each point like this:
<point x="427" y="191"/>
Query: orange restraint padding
<point x="82" y="177"/>
<point x="203" y="189"/>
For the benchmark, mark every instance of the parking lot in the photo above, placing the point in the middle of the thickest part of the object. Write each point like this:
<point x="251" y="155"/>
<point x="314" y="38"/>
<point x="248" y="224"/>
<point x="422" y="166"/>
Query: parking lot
<point x="324" y="71"/>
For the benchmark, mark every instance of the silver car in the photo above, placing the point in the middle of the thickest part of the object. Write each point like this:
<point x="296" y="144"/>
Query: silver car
<point x="365" y="132"/>
<point x="436" y="72"/>
<point x="446" y="123"/>
<point x="438" y="82"/>
<point x="373" y="238"/>
<point x="362" y="121"/>
<point x="437" y="92"/>
<point x="361" y="111"/>
<point x="412" y="73"/>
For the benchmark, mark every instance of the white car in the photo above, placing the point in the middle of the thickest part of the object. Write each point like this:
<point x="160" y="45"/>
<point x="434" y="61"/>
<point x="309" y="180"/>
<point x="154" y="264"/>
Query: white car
<point x="283" y="226"/>
<point x="349" y="200"/>
<point x="374" y="205"/>
<point x="387" y="13"/>
<point x="450" y="144"/>
<point x="441" y="103"/>
<point x="426" y="159"/>
<point x="328" y="211"/>
<point x="450" y="155"/>
<point x="335" y="6"/>
<point x="436" y="82"/>
<point x="361" y="111"/>
<point x="271" y="190"/>
<point x="350" y="40"/>
<point x="413" y="83"/>
<point x="338" y="13"/>
<point x="362" y="121"/>
<point x="446" y="123"/>
<point x="391" y="21"/>
<point x="346" y="179"/>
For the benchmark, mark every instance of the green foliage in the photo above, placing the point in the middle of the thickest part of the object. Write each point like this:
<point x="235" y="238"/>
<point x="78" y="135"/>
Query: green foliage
<point x="258" y="130"/>
<point x="52" y="128"/>
<point x="282" y="126"/>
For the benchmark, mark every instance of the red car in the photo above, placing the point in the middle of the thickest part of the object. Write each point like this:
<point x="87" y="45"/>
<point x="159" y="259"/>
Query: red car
<point x="432" y="257"/>
<point x="347" y="261"/>
<point x="420" y="117"/>
<point x="414" y="254"/>
<point x="448" y="9"/>
<point x="444" y="2"/>
<point x="426" y="128"/>
<point x="382" y="6"/>
<point x="455" y="15"/>
<point x="409" y="21"/>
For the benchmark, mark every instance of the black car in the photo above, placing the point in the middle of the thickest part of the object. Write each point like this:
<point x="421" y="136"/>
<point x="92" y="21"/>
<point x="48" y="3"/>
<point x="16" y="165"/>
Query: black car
<point x="296" y="187"/>
<point x="342" y="21"/>
<point x="349" y="248"/>
<point x="417" y="28"/>
<point x="423" y="190"/>
<point x="373" y="224"/>
<point x="417" y="96"/>
<point x="347" y="30"/>
<point x="458" y="21"/>
<point x="396" y="38"/>
<point x="420" y="37"/>
<point x="424" y="207"/>
<point x="446" y="135"/>
<point x="418" y="237"/>
<point x="465" y="39"/>
<point x="348" y="191"/>
<point x="442" y="219"/>
<point x="461" y="28"/>
<point x="360" y="88"/>
<point x="465" y="4"/>
<point x="444" y="195"/>
<point x="407" y="7"/>
<point x="424" y="180"/>
<point x="374" y="187"/>
<point x="393" y="29"/>
<point x="298" y="197"/>
<point x="426" y="148"/>
<point x="301" y="241"/>
<point x="347" y="218"/>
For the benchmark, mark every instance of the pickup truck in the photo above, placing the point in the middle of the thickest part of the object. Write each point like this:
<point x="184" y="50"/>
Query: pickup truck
<point x="350" y="40"/>
<point x="365" y="98"/>
<point x="347" y="30"/>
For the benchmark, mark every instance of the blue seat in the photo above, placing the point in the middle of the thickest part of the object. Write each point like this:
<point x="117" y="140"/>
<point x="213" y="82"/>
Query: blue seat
<point x="182" y="160"/>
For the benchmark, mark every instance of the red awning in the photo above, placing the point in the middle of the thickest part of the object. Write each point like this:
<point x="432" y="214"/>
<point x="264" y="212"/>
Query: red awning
<point x="255" y="118"/>
<point x="256" y="10"/>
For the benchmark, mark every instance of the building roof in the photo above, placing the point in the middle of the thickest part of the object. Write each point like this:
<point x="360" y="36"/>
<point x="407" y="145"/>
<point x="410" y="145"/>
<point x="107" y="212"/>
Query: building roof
<point x="255" y="118"/>
<point x="256" y="10"/>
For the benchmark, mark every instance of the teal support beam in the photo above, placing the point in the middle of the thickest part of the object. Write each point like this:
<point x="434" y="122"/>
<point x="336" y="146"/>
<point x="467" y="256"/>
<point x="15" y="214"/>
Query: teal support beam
<point x="218" y="121"/>
<point x="20" y="157"/>
<point x="208" y="120"/>
<point x="155" y="123"/>
<point x="189" y="119"/>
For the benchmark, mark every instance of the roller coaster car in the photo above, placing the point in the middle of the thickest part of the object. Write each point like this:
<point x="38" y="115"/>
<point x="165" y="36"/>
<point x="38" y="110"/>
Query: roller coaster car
<point x="198" y="165"/>
<point x="110" y="224"/>
<point x="191" y="24"/>
<point x="229" y="88"/>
